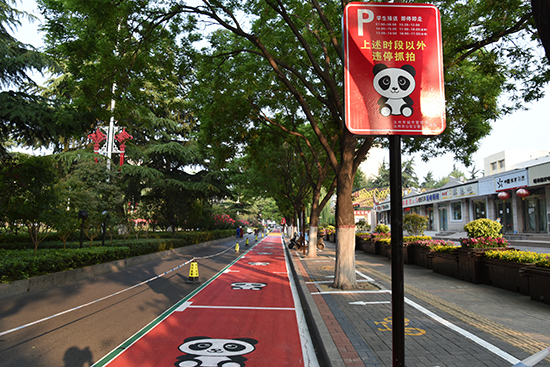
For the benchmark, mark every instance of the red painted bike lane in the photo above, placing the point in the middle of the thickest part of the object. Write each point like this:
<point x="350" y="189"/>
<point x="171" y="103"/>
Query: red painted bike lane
<point x="247" y="316"/>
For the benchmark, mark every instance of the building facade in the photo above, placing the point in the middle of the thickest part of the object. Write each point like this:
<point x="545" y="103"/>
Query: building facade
<point x="518" y="198"/>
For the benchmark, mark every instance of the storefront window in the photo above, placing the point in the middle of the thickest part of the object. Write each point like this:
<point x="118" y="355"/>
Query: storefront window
<point x="479" y="209"/>
<point x="457" y="211"/>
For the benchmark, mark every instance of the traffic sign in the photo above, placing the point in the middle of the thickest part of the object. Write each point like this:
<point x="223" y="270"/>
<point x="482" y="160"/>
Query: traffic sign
<point x="283" y="221"/>
<point x="393" y="69"/>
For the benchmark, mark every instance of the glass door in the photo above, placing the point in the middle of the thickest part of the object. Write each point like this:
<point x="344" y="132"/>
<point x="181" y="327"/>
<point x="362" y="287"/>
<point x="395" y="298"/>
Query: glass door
<point x="535" y="213"/>
<point x="504" y="213"/>
<point x="443" y="218"/>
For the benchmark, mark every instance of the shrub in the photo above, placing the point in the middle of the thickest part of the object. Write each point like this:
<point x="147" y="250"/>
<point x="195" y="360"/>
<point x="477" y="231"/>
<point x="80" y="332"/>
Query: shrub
<point x="483" y="228"/>
<point x="382" y="228"/>
<point x="362" y="226"/>
<point x="23" y="264"/>
<point x="527" y="257"/>
<point x="330" y="230"/>
<point x="484" y="242"/>
<point x="415" y="224"/>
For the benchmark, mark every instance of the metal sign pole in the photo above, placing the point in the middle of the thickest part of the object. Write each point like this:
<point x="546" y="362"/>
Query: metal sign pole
<point x="397" y="281"/>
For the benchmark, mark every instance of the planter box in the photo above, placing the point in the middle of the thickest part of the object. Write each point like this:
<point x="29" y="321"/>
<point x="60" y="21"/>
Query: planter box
<point x="369" y="247"/>
<point x="408" y="256"/>
<point x="359" y="243"/>
<point x="445" y="263"/>
<point x="470" y="268"/>
<point x="506" y="275"/>
<point x="539" y="283"/>
<point x="422" y="256"/>
<point x="332" y="237"/>
<point x="382" y="249"/>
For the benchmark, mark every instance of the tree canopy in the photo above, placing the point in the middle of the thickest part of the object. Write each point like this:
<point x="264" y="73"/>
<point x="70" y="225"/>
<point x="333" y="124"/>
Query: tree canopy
<point x="195" y="108"/>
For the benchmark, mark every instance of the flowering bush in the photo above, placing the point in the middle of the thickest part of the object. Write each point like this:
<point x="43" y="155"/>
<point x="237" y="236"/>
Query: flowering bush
<point x="528" y="257"/>
<point x="330" y="230"/>
<point x="543" y="261"/>
<point x="363" y="235"/>
<point x="443" y="248"/>
<point x="373" y="236"/>
<point x="484" y="242"/>
<point x="243" y="223"/>
<point x="431" y="244"/>
<point x="223" y="221"/>
<point x="410" y="239"/>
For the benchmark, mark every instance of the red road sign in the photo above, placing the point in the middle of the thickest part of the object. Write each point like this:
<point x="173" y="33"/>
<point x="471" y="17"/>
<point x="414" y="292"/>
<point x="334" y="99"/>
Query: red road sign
<point x="246" y="316"/>
<point x="283" y="221"/>
<point x="393" y="69"/>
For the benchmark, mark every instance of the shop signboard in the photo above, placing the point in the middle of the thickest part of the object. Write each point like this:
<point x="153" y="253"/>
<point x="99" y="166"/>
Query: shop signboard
<point x="465" y="190"/>
<point x="511" y="180"/>
<point x="539" y="175"/>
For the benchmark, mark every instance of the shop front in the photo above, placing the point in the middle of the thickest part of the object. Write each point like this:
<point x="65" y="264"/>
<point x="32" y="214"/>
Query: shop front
<point x="535" y="205"/>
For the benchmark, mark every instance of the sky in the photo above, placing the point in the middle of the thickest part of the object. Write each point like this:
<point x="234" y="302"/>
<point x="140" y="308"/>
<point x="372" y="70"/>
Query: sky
<point x="524" y="130"/>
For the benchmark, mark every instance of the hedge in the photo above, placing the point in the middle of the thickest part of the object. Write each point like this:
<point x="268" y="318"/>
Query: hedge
<point x="23" y="264"/>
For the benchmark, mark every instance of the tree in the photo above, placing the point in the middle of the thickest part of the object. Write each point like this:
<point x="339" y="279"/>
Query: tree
<point x="429" y="181"/>
<point x="383" y="177"/>
<point x="360" y="180"/>
<point x="408" y="176"/>
<point x="91" y="186"/>
<point x="28" y="194"/>
<point x="286" y="57"/>
<point x="299" y="44"/>
<point x="24" y="116"/>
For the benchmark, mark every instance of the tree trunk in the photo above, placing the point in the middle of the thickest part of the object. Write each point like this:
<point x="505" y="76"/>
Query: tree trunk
<point x="313" y="225"/>
<point x="344" y="272"/>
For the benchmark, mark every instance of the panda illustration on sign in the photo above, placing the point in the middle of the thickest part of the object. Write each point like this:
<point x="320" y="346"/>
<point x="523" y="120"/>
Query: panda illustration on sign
<point x="394" y="85"/>
<point x="207" y="352"/>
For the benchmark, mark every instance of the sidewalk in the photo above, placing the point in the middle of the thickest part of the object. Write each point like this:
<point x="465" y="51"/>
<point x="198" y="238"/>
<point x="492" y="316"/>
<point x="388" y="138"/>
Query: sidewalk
<point x="449" y="322"/>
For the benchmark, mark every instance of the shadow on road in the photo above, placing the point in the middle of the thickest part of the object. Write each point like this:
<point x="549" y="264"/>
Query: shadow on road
<point x="75" y="357"/>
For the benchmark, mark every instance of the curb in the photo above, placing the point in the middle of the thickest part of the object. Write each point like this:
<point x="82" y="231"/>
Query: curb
<point x="318" y="329"/>
<point x="45" y="282"/>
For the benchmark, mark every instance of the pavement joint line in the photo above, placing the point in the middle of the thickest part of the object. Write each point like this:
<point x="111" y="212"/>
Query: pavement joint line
<point x="520" y="340"/>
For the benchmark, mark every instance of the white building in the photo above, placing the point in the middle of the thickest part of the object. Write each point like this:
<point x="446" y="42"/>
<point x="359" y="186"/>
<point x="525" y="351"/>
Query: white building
<point x="494" y="196"/>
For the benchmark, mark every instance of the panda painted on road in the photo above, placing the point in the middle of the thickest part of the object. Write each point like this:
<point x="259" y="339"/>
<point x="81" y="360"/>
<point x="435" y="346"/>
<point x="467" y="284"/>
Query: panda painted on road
<point x="395" y="86"/>
<point x="207" y="352"/>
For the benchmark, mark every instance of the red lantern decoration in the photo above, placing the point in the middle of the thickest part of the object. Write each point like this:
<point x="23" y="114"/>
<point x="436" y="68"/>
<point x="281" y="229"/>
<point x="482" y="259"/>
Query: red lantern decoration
<point x="503" y="195"/>
<point x="523" y="193"/>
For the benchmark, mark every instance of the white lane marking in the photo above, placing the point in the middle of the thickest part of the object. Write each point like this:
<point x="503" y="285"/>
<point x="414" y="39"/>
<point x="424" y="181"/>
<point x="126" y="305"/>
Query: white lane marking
<point x="499" y="352"/>
<point x="350" y="292"/>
